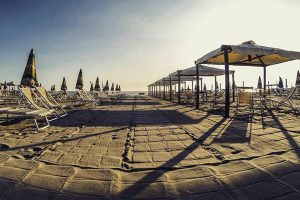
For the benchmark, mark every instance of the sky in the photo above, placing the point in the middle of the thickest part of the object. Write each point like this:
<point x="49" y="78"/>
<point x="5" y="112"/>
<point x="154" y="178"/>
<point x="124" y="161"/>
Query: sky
<point x="136" y="42"/>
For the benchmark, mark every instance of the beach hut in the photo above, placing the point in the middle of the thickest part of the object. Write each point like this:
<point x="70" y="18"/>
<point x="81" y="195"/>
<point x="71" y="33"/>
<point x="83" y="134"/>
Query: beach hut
<point x="29" y="78"/>
<point x="246" y="54"/>
<point x="64" y="85"/>
<point x="97" y="85"/>
<point x="79" y="83"/>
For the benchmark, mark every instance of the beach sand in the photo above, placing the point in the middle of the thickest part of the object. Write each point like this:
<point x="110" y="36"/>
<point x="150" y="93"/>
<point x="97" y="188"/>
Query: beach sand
<point x="145" y="148"/>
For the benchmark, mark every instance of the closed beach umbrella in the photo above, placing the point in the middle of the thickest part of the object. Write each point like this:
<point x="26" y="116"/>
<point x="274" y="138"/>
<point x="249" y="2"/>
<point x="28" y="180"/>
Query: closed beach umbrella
<point x="97" y="85"/>
<point x="29" y="78"/>
<point x="188" y="88"/>
<point x="64" y="85"/>
<point x="259" y="83"/>
<point x="298" y="78"/>
<point x="79" y="83"/>
<point x="92" y="87"/>
<point x="106" y="87"/>
<point x="216" y="85"/>
<point x="280" y="84"/>
<point x="5" y="85"/>
<point x="204" y="87"/>
<point x="117" y="87"/>
<point x="112" y="87"/>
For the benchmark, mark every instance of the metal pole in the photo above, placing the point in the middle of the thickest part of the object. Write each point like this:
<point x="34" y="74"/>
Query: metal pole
<point x="227" y="93"/>
<point x="197" y="86"/>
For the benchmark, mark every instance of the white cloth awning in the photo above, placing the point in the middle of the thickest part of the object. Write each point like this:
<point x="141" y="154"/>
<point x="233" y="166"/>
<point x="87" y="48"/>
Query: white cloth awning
<point x="203" y="71"/>
<point x="249" y="54"/>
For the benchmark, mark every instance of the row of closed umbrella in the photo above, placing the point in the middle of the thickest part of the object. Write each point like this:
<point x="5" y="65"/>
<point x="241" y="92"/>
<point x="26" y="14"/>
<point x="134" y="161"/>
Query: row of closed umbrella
<point x="29" y="78"/>
<point x="280" y="82"/>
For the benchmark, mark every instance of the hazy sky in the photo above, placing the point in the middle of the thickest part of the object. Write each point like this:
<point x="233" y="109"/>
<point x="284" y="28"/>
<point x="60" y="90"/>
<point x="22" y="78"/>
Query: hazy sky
<point x="135" y="42"/>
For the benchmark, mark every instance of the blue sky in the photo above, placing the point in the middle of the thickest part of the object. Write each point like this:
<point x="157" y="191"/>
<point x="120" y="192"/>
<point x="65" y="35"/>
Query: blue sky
<point x="135" y="42"/>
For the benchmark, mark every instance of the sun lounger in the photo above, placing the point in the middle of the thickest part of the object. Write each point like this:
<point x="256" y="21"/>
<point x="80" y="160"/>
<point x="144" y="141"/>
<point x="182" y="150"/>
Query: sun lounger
<point x="50" y="101"/>
<point x="244" y="101"/>
<point x="287" y="101"/>
<point x="34" y="111"/>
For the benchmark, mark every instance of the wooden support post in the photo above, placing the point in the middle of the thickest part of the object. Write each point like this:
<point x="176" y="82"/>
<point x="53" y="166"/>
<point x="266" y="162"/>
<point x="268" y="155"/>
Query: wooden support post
<point x="164" y="96"/>
<point x="159" y="89"/>
<point x="265" y="79"/>
<point x="170" y="88"/>
<point x="179" y="89"/>
<point x="227" y="92"/>
<point x="197" y="86"/>
<point x="192" y="87"/>
<point x="233" y="88"/>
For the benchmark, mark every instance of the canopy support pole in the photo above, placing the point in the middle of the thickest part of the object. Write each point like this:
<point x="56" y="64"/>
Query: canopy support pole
<point x="227" y="93"/>
<point x="164" y="96"/>
<point x="192" y="87"/>
<point x="197" y="86"/>
<point x="159" y="90"/>
<point x="265" y="79"/>
<point x="233" y="88"/>
<point x="170" y="87"/>
<point x="216" y="85"/>
<point x="179" y="89"/>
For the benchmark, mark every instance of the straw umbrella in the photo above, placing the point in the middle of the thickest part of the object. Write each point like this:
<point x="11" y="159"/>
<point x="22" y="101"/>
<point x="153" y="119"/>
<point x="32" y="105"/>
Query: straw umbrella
<point x="64" y="85"/>
<point x="79" y="83"/>
<point x="259" y="83"/>
<point x="298" y="78"/>
<point x="29" y="78"/>
<point x="97" y="85"/>
<point x="112" y="87"/>
<point x="280" y="84"/>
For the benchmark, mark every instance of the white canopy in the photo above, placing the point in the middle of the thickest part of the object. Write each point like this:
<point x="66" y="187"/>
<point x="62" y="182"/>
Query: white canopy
<point x="249" y="53"/>
<point x="203" y="71"/>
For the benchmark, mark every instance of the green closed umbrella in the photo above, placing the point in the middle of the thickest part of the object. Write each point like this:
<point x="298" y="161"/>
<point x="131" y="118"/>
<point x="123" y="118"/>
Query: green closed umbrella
<point x="92" y="87"/>
<point x="106" y="87"/>
<point x="5" y="85"/>
<point x="64" y="85"/>
<point x="97" y="85"/>
<point x="29" y="78"/>
<point x="298" y="79"/>
<point x="280" y="84"/>
<point x="79" y="83"/>
<point x="112" y="87"/>
<point x="259" y="83"/>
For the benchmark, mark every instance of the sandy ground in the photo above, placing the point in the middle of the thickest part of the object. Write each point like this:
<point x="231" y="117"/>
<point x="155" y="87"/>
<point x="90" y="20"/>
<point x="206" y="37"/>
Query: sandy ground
<point x="145" y="148"/>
